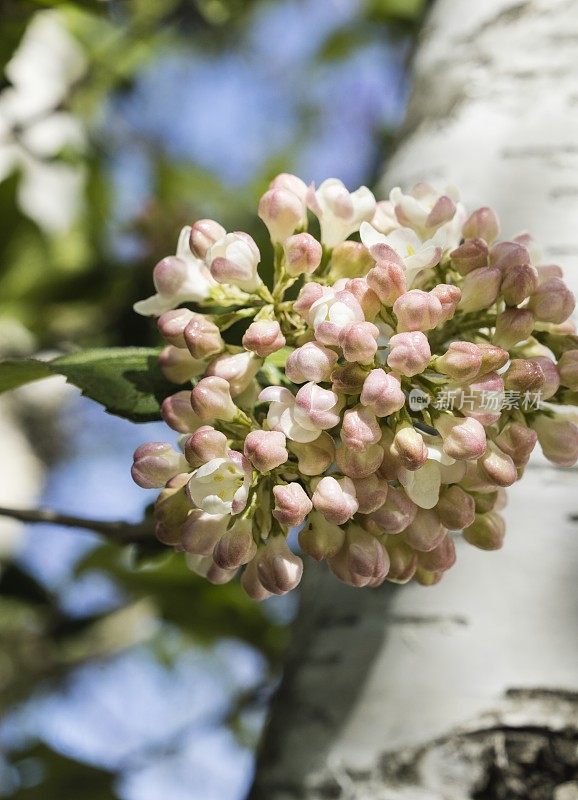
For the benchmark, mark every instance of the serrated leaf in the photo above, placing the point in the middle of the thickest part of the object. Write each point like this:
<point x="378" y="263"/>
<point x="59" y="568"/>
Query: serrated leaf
<point x="127" y="381"/>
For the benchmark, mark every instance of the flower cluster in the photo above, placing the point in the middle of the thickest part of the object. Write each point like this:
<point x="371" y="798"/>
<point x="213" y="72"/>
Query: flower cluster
<point x="306" y="424"/>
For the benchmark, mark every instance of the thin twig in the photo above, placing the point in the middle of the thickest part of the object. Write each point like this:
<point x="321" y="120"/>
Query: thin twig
<point x="117" y="530"/>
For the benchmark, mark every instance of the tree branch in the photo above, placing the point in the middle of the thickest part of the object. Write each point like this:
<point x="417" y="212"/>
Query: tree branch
<point x="117" y="531"/>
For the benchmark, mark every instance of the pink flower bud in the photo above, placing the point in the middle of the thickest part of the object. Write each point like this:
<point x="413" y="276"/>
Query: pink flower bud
<point x="483" y="223"/>
<point x="545" y="272"/>
<point x="462" y="361"/>
<point x="263" y="337"/>
<point x="360" y="428"/>
<point x="205" y="443"/>
<point x="283" y="212"/>
<point x="552" y="301"/>
<point x="493" y="357"/>
<point x="558" y="439"/>
<point x="178" y="365"/>
<point x="320" y="538"/>
<point x="388" y="281"/>
<point x="480" y="289"/>
<point x="517" y="441"/>
<point x="537" y="376"/>
<point x="356" y="464"/>
<point x="426" y="532"/>
<point x="206" y="567"/>
<point x="251" y="583"/>
<point x="513" y="325"/>
<point x="359" y="342"/>
<point x="234" y="259"/>
<point x="485" y="399"/>
<point x="402" y="560"/>
<point x="171" y="510"/>
<point x="464" y="437"/>
<point x="417" y="311"/>
<point x="292" y="504"/>
<point x="204" y="234"/>
<point x="314" y="458"/>
<point x="362" y="561"/>
<point x="509" y="255"/>
<point x="211" y="399"/>
<point x="311" y="362"/>
<point x="291" y="183"/>
<point x="302" y="254"/>
<point x="202" y="531"/>
<point x="350" y="260"/>
<point x="371" y="493"/>
<point x="486" y="532"/>
<point x="177" y="412"/>
<point x="519" y="283"/>
<point x="335" y="499"/>
<point x="169" y="276"/>
<point x="348" y="379"/>
<point x="497" y="467"/>
<point x="469" y="256"/>
<point x="396" y="513"/>
<point x="366" y="297"/>
<point x="236" y="546"/>
<point x="456" y="508"/>
<point x="308" y="295"/>
<point x="409" y="353"/>
<point x="238" y="370"/>
<point x="155" y="463"/>
<point x="441" y="558"/>
<point x="568" y="369"/>
<point x="382" y="393"/>
<point x="333" y="312"/>
<point x="409" y="447"/>
<point x="202" y="337"/>
<point x="316" y="407"/>
<point x="266" y="449"/>
<point x="279" y="570"/>
<point x="449" y="296"/>
<point x="172" y="324"/>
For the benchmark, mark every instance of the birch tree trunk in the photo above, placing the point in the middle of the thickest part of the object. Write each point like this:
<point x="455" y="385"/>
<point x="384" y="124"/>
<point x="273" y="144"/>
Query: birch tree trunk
<point x="468" y="689"/>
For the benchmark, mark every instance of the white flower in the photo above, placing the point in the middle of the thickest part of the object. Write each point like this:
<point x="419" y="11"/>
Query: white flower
<point x="42" y="71"/>
<point x="414" y="253"/>
<point x="234" y="259"/>
<point x="449" y="235"/>
<point x="182" y="278"/>
<point x="332" y="312"/>
<point x="423" y="485"/>
<point x="424" y="209"/>
<point x="221" y="486"/>
<point x="340" y="212"/>
<point x="284" y="416"/>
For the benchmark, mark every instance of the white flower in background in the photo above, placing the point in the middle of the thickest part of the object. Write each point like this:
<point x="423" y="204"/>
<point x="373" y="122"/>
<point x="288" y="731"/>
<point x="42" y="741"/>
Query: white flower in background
<point x="178" y="279"/>
<point x="414" y="253"/>
<point x="423" y="485"/>
<point x="45" y="66"/>
<point x="339" y="211"/>
<point x="221" y="486"/>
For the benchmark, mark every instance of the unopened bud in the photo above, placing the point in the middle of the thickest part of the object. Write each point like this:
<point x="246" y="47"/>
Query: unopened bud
<point x="350" y="260"/>
<point x="155" y="463"/>
<point x="487" y="399"/>
<point x="558" y="439"/>
<point x="172" y="324"/>
<point x="469" y="256"/>
<point x="348" y="379"/>
<point x="335" y="499"/>
<point x="201" y="531"/>
<point x="409" y="353"/>
<point x="320" y="538"/>
<point x="464" y="437"/>
<point x="177" y="412"/>
<point x="552" y="301"/>
<point x="462" y="361"/>
<point x="486" y="532"/>
<point x="568" y="369"/>
<point x="449" y="296"/>
<point x="234" y="259"/>
<point x="237" y="369"/>
<point x="172" y="507"/>
<point x="396" y="513"/>
<point x="356" y="464"/>
<point x="358" y="341"/>
<point x="426" y="578"/>
<point x="310" y="362"/>
<point x="308" y="295"/>
<point x="371" y="493"/>
<point x="266" y="449"/>
<point x="204" y="234"/>
<point x="509" y="255"/>
<point x="519" y="283"/>
<point x="493" y="357"/>
<point x="409" y="447"/>
<point x="279" y="569"/>
<point x="362" y="561"/>
<point x="402" y="560"/>
<point x="283" y="212"/>
<point x="292" y="504"/>
<point x="456" y="508"/>
<point x="388" y="281"/>
<point x="302" y="254"/>
<point x="205" y="443"/>
<point x="417" y="311"/>
<point x="211" y="399"/>
<point x="178" y="365"/>
<point x="514" y="325"/>
<point x="236" y="546"/>
<point x="366" y="297"/>
<point x="441" y="558"/>
<point x="517" y="441"/>
<point x="497" y="467"/>
<point x="263" y="337"/>
<point x="480" y="289"/>
<point x="483" y="223"/>
<point x="382" y="393"/>
<point x="534" y="375"/>
<point x="360" y="428"/>
<point x="425" y="532"/>
<point x="251" y="583"/>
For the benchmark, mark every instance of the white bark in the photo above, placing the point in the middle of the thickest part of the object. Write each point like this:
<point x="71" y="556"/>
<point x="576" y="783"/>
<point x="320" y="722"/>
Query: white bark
<point x="469" y="688"/>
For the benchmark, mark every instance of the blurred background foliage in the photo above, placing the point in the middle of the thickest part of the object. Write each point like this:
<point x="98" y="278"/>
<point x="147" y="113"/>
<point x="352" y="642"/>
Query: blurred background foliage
<point x="121" y="673"/>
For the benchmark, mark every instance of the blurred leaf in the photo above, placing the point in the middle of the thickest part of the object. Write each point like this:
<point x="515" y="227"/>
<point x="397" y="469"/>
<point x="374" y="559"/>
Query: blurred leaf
<point x="397" y="10"/>
<point x="127" y="381"/>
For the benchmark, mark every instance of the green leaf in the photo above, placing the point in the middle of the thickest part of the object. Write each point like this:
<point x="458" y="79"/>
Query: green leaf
<point x="127" y="381"/>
